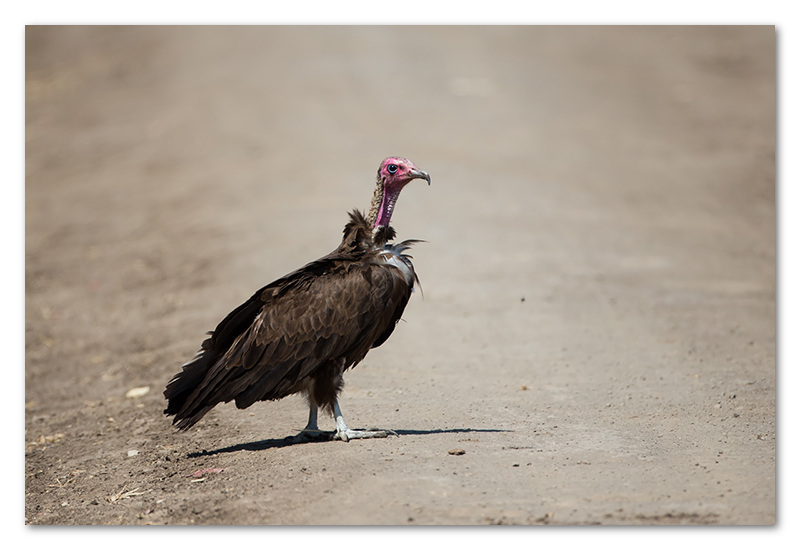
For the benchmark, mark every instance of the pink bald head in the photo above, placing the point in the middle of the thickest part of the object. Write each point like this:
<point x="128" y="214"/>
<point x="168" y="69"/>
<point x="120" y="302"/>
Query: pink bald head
<point x="394" y="173"/>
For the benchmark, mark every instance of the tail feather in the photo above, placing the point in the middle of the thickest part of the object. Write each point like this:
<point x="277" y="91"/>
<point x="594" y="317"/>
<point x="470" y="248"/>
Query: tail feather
<point x="181" y="387"/>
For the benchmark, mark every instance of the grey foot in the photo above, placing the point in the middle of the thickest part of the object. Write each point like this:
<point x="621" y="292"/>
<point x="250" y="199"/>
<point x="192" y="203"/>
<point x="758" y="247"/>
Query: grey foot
<point x="307" y="436"/>
<point x="347" y="434"/>
<point x="343" y="433"/>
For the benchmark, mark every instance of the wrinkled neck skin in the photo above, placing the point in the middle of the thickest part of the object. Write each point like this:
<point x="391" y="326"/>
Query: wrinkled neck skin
<point x="383" y="201"/>
<point x="387" y="207"/>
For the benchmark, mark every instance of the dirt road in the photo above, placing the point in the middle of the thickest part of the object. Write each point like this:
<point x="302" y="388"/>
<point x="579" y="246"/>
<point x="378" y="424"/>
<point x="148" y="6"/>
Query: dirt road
<point x="596" y="329"/>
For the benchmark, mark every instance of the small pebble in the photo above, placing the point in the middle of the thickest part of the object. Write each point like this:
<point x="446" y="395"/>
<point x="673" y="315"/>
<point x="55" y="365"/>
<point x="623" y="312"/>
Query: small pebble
<point x="137" y="392"/>
<point x="456" y="452"/>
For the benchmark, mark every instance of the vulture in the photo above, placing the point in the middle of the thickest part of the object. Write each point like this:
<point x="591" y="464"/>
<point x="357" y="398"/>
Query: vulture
<point x="300" y="333"/>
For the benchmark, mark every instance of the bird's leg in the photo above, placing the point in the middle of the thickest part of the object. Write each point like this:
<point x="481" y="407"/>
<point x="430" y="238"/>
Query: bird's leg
<point x="311" y="431"/>
<point x="344" y="433"/>
<point x="311" y="426"/>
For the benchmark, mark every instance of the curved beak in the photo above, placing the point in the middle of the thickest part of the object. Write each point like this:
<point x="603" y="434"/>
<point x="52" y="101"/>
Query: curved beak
<point x="420" y="174"/>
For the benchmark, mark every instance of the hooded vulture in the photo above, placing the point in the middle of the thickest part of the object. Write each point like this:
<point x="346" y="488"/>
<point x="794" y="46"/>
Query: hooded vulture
<point x="300" y="333"/>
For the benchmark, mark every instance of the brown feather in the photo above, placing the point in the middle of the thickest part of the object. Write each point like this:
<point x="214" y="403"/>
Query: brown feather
<point x="300" y="332"/>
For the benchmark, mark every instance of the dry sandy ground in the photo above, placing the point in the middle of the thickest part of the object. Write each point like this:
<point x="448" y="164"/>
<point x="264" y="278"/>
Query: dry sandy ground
<point x="597" y="325"/>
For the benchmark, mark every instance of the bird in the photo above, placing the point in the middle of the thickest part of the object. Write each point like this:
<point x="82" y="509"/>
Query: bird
<point x="300" y="333"/>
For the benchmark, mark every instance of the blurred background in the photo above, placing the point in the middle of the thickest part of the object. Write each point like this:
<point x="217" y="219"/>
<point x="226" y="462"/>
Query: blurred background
<point x="600" y="226"/>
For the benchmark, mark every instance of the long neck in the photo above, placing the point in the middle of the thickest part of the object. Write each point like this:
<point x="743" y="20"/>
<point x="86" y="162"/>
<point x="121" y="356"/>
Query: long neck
<point x="375" y="205"/>
<point x="387" y="208"/>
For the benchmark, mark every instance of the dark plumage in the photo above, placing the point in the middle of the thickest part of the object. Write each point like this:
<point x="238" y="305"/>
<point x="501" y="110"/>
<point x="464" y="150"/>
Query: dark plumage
<point x="301" y="332"/>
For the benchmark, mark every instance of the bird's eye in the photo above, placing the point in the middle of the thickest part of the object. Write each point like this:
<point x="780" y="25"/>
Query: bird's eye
<point x="392" y="168"/>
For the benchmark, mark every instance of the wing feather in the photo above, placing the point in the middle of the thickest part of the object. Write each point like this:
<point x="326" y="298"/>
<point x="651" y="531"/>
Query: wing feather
<point x="289" y="329"/>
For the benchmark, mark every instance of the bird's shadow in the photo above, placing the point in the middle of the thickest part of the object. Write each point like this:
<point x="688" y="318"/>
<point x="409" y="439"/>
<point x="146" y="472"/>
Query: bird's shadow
<point x="265" y="444"/>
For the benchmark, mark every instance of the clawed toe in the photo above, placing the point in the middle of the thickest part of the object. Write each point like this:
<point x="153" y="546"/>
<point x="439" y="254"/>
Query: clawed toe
<point x="348" y="434"/>
<point x="307" y="436"/>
